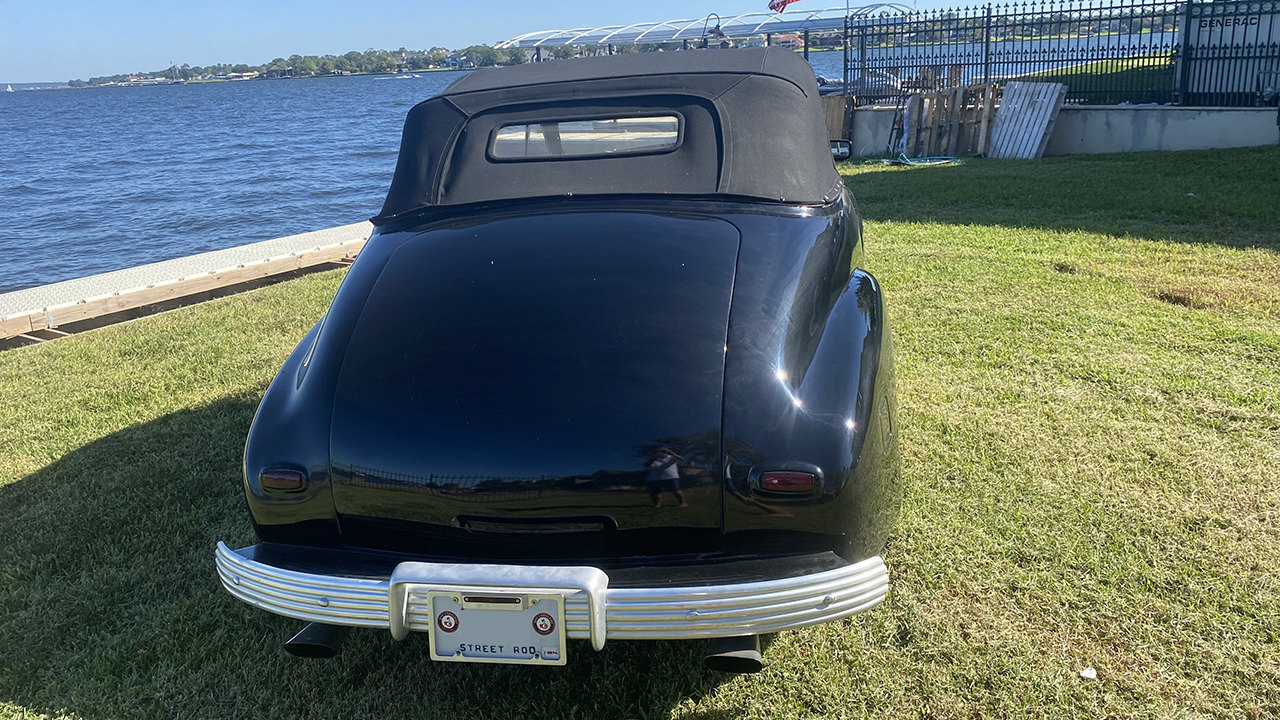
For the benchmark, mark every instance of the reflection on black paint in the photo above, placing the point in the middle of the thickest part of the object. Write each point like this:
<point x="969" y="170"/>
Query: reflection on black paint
<point x="805" y="343"/>
<point x="664" y="476"/>
<point x="533" y="365"/>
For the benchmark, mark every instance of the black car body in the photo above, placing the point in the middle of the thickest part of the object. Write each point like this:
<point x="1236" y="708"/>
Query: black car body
<point x="611" y="339"/>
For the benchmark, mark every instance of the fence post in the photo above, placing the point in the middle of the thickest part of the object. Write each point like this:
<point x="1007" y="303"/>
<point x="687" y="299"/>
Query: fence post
<point x="986" y="47"/>
<point x="862" y="54"/>
<point x="846" y="55"/>
<point x="1183" y="53"/>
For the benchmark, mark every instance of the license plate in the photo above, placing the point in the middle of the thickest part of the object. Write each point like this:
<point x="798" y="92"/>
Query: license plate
<point x="497" y="626"/>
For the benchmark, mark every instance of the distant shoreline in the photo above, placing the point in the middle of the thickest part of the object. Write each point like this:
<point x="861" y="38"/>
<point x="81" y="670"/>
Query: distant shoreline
<point x="65" y="86"/>
<point x="163" y="81"/>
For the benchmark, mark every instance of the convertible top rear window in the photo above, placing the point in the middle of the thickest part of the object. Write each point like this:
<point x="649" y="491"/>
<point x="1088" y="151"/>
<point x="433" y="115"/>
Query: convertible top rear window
<point x="586" y="138"/>
<point x="745" y="125"/>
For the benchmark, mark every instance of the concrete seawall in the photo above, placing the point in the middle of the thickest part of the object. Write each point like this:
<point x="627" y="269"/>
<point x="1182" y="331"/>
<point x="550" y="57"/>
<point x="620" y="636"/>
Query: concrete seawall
<point x="1100" y="129"/>
<point x="49" y="311"/>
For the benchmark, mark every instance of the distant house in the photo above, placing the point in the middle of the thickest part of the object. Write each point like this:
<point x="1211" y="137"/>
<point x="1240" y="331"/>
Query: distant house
<point x="751" y="42"/>
<point x="457" y="60"/>
<point x="788" y="41"/>
<point x="829" y="40"/>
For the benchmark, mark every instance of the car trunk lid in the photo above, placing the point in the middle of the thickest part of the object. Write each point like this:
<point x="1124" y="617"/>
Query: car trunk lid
<point x="540" y="386"/>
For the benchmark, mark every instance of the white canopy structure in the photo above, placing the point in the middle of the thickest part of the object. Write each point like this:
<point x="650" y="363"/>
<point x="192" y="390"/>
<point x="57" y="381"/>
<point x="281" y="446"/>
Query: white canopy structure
<point x="745" y="25"/>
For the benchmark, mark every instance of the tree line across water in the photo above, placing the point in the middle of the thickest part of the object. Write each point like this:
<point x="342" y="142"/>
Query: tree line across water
<point x="369" y="61"/>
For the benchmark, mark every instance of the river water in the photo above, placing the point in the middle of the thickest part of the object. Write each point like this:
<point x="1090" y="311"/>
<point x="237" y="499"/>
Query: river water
<point x="102" y="179"/>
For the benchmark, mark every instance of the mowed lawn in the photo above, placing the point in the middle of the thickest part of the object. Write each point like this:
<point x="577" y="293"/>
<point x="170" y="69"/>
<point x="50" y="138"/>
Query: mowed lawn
<point x="1136" y="79"/>
<point x="1089" y="375"/>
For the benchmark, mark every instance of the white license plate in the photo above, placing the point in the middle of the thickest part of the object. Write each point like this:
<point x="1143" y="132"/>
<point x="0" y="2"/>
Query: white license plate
<point x="497" y="626"/>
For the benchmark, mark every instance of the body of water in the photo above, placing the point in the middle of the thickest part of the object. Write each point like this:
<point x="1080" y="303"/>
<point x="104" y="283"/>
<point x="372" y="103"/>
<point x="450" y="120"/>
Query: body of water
<point x="103" y="179"/>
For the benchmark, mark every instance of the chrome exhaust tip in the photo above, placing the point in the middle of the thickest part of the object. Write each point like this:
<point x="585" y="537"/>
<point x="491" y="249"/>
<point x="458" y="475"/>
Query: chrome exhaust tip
<point x="738" y="655"/>
<point x="317" y="640"/>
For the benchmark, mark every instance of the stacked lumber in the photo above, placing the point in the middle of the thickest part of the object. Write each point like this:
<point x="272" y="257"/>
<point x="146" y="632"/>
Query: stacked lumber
<point x="952" y="122"/>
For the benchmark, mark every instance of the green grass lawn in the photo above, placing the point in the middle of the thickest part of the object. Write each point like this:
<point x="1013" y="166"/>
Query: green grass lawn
<point x="1105" y="82"/>
<point x="1089" y="374"/>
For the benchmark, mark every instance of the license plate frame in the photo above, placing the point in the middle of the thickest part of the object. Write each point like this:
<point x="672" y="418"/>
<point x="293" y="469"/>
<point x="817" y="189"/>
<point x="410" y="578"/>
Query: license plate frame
<point x="498" y="625"/>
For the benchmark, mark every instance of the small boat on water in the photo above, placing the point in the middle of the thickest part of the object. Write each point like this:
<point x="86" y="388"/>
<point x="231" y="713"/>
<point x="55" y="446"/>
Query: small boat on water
<point x="8" y="88"/>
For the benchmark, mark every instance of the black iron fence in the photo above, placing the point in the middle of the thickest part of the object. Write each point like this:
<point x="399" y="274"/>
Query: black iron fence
<point x="1109" y="52"/>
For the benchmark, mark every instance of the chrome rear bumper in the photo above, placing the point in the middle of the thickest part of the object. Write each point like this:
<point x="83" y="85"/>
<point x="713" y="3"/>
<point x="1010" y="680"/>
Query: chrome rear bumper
<point x="650" y="613"/>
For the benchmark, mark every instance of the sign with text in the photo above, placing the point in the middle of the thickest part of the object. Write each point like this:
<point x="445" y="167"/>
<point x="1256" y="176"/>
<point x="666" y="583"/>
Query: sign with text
<point x="1231" y="48"/>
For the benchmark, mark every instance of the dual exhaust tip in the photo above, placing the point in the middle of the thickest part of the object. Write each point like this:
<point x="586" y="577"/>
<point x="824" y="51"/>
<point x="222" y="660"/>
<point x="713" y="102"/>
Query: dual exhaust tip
<point x="730" y="655"/>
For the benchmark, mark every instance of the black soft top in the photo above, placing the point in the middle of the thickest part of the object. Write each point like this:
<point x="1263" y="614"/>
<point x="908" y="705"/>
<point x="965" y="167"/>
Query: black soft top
<point x="751" y="127"/>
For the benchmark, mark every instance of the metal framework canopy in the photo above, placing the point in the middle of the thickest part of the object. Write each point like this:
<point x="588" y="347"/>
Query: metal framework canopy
<point x="745" y="25"/>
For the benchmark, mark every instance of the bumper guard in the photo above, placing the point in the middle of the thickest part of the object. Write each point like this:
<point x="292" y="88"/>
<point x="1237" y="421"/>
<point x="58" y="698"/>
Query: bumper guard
<point x="592" y="610"/>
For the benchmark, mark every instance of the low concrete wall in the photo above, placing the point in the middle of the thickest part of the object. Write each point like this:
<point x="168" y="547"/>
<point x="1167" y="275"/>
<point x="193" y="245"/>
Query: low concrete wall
<point x="1089" y="130"/>
<point x="74" y="301"/>
<point x="1097" y="129"/>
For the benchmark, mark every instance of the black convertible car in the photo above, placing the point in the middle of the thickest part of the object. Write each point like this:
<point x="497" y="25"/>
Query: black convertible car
<point x="608" y="369"/>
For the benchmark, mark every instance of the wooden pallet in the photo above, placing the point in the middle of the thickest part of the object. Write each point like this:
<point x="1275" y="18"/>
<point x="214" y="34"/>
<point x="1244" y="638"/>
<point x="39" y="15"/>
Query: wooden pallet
<point x="1025" y="119"/>
<point x="953" y="122"/>
<point x="835" y="113"/>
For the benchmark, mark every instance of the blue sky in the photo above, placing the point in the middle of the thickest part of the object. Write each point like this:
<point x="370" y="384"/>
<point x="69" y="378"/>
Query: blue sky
<point x="63" y="39"/>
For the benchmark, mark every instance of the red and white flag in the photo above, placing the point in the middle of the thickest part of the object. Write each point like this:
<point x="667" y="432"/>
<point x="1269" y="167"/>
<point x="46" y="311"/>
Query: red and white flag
<point x="780" y="5"/>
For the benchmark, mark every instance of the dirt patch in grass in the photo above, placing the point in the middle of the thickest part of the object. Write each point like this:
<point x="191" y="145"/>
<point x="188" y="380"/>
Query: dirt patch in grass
<point x="1185" y="298"/>
<point x="1237" y="293"/>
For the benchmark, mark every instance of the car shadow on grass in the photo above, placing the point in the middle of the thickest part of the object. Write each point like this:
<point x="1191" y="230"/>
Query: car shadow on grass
<point x="1222" y="197"/>
<point x="110" y="607"/>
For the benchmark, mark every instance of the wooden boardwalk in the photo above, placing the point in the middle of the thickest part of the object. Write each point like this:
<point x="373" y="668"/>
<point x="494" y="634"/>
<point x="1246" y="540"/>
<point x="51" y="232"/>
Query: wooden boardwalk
<point x="36" y="314"/>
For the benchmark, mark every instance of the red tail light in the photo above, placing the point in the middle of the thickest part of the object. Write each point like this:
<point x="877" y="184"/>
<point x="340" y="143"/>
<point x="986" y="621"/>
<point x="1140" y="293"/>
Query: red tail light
<point x="786" y="482"/>
<point x="282" y="480"/>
